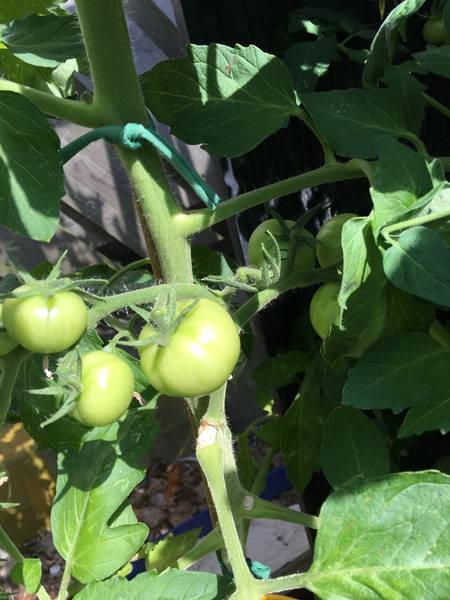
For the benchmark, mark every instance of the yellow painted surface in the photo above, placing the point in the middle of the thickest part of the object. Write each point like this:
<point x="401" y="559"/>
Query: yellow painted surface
<point x="30" y="483"/>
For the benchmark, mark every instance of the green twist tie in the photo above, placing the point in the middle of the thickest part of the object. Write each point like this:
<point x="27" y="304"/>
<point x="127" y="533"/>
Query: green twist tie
<point x="132" y="136"/>
<point x="259" y="570"/>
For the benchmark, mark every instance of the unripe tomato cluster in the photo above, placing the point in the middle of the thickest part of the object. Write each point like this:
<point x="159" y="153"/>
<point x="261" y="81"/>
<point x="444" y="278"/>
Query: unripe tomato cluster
<point x="324" y="308"/>
<point x="203" y="348"/>
<point x="198" y="358"/>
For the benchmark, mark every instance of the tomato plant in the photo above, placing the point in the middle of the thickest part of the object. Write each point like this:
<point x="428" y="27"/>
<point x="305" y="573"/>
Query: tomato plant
<point x="107" y="389"/>
<point x="324" y="308"/>
<point x="359" y="395"/>
<point x="45" y="324"/>
<point x="304" y="256"/>
<point x="200" y="355"/>
<point x="329" y="249"/>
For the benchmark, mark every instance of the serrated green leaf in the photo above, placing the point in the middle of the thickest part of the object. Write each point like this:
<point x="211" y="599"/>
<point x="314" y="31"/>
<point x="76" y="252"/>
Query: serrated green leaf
<point x="356" y="121"/>
<point x="28" y="573"/>
<point x="401" y="178"/>
<point x="166" y="552"/>
<point x="308" y="61"/>
<point x="298" y="433"/>
<point x="86" y="500"/>
<point x="229" y="99"/>
<point x="383" y="47"/>
<point x="384" y="539"/>
<point x="44" y="41"/>
<point x="399" y="372"/>
<point x="420" y="264"/>
<point x="427" y="417"/>
<point x="172" y="585"/>
<point x="362" y="296"/>
<point x="31" y="175"/>
<point x="282" y="369"/>
<point x="435" y="60"/>
<point x="405" y="313"/>
<point x="209" y="262"/>
<point x="352" y="445"/>
<point x="17" y="9"/>
<point x="409" y="91"/>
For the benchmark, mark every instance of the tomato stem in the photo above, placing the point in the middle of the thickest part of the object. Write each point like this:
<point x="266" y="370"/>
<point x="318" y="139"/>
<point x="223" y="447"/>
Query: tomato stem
<point x="198" y="220"/>
<point x="76" y="111"/>
<point x="118" y="99"/>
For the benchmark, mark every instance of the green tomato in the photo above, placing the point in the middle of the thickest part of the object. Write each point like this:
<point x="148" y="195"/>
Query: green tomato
<point x="107" y="389"/>
<point x="324" y="308"/>
<point x="200" y="355"/>
<point x="329" y="251"/>
<point x="7" y="344"/>
<point x="434" y="32"/>
<point x="304" y="257"/>
<point x="45" y="324"/>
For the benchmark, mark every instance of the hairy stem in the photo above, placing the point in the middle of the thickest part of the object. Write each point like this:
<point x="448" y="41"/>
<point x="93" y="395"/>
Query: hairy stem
<point x="147" y="295"/>
<point x="216" y="458"/>
<point x="415" y="222"/>
<point x="257" y="508"/>
<point x="117" y="94"/>
<point x="74" y="111"/>
<point x="119" y="99"/>
<point x="195" y="221"/>
<point x="210" y="543"/>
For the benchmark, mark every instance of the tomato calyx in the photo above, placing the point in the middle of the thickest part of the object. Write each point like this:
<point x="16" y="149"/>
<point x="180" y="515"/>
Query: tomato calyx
<point x="164" y="319"/>
<point x="65" y="383"/>
<point x="50" y="285"/>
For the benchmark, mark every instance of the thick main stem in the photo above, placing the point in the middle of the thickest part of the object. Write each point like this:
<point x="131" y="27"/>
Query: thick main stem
<point x="118" y="99"/>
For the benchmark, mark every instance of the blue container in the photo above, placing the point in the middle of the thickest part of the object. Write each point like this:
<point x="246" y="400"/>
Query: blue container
<point x="277" y="483"/>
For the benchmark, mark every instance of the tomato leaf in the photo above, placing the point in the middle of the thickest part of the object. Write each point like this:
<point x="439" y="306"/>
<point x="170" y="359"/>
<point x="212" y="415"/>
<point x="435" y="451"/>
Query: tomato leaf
<point x="229" y="99"/>
<point x="28" y="573"/>
<point x="352" y="445"/>
<point x="384" y="538"/>
<point x="401" y="178"/>
<point x="308" y="61"/>
<point x="362" y="296"/>
<point x="44" y="41"/>
<point x="298" y="433"/>
<point x="86" y="501"/>
<point x="281" y="370"/>
<point x="17" y="9"/>
<point x="420" y="264"/>
<point x="398" y="372"/>
<point x="427" y="417"/>
<point x="435" y="60"/>
<point x="408" y="90"/>
<point x="166" y="552"/>
<point x="384" y="44"/>
<point x="209" y="262"/>
<point x="31" y="175"/>
<point x="172" y="585"/>
<point x="356" y="121"/>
